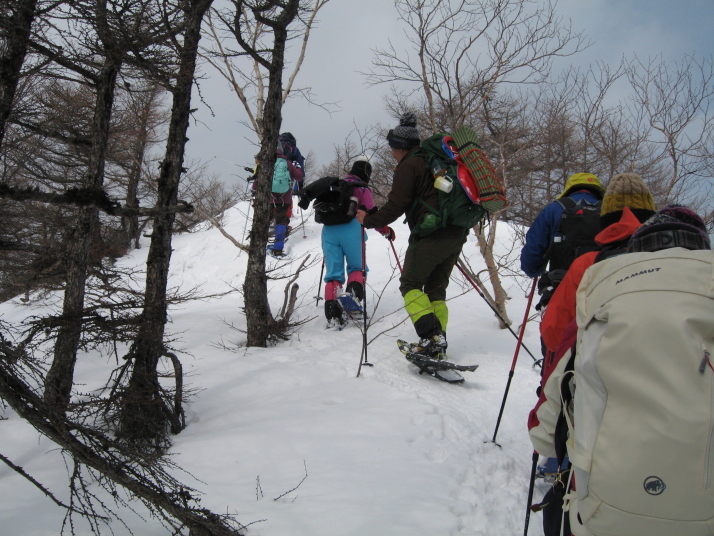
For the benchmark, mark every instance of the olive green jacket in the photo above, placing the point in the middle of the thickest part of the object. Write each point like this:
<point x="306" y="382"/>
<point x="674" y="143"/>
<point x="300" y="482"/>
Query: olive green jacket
<point x="411" y="180"/>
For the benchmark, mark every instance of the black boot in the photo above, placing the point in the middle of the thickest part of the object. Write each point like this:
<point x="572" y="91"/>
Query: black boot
<point x="356" y="289"/>
<point x="333" y="313"/>
<point x="433" y="346"/>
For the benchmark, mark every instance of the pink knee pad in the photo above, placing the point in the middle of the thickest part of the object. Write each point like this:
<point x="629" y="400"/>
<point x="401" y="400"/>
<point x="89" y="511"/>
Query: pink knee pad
<point x="332" y="288"/>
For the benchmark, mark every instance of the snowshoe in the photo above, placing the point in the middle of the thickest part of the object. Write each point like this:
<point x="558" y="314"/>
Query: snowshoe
<point x="335" y="324"/>
<point x="438" y="367"/>
<point x="277" y="253"/>
<point x="351" y="306"/>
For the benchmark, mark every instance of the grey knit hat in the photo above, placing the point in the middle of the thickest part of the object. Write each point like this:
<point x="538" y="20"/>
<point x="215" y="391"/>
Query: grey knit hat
<point x="406" y="135"/>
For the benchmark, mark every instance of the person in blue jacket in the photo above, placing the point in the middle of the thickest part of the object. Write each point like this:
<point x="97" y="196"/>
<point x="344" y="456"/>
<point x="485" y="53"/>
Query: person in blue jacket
<point x="581" y="187"/>
<point x="544" y="247"/>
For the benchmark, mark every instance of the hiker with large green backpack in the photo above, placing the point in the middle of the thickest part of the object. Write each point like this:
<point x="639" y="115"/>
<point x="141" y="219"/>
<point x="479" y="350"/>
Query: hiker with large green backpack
<point x="439" y="211"/>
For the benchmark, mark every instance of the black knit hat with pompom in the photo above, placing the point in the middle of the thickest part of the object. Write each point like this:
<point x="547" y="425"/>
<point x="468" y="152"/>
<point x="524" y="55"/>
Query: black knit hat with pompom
<point x="406" y="135"/>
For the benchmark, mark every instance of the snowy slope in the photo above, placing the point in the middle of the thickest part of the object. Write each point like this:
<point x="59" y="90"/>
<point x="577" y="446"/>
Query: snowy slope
<point x="388" y="453"/>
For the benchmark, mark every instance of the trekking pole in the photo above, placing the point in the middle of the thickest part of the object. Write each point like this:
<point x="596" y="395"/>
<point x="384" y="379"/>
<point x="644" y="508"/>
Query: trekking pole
<point x="531" y="485"/>
<point x="513" y="364"/>
<point x="302" y="222"/>
<point x="319" y="284"/>
<point x="475" y="286"/>
<point x="391" y="243"/>
<point x="364" y="308"/>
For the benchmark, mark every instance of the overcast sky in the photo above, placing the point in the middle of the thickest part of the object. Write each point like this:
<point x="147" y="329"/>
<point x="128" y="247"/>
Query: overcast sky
<point x="340" y="47"/>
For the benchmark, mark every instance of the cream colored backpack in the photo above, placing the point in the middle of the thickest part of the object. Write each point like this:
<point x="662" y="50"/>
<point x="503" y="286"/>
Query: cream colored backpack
<point x="643" y="444"/>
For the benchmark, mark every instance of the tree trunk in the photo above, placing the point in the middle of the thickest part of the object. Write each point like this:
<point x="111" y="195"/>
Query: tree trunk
<point x="144" y="416"/>
<point x="130" y="224"/>
<point x="59" y="380"/>
<point x="144" y="109"/>
<point x="485" y="244"/>
<point x="255" y="288"/>
<point x="17" y="37"/>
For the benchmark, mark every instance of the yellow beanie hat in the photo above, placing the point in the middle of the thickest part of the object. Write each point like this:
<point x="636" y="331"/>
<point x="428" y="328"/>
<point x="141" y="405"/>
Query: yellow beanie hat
<point x="583" y="180"/>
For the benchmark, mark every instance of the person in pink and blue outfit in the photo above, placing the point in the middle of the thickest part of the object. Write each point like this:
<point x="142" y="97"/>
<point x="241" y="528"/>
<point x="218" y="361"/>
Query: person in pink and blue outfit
<point x="343" y="244"/>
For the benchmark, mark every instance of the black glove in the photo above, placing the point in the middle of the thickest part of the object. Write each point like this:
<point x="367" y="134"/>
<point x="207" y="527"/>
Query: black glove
<point x="304" y="201"/>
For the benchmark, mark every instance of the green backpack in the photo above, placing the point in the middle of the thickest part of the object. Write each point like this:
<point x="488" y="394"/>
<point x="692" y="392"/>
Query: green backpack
<point x="460" y="206"/>
<point x="281" y="176"/>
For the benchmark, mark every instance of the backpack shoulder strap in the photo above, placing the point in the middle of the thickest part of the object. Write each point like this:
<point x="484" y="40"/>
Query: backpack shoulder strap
<point x="421" y="152"/>
<point x="417" y="200"/>
<point x="566" y="202"/>
<point x="347" y="188"/>
<point x="612" y="250"/>
<point x="562" y="426"/>
<point x="569" y="203"/>
<point x="354" y="184"/>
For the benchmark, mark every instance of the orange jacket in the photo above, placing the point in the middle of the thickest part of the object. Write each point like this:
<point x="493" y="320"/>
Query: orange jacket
<point x="561" y="308"/>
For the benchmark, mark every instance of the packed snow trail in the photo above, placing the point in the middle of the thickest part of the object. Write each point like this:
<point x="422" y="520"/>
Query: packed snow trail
<point x="291" y="441"/>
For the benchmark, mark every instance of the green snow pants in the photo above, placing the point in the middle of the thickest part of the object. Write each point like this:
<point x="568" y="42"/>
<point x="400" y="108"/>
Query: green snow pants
<point x="427" y="268"/>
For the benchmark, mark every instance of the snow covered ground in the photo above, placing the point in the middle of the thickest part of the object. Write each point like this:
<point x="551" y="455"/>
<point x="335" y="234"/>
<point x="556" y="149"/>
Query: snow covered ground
<point x="291" y="441"/>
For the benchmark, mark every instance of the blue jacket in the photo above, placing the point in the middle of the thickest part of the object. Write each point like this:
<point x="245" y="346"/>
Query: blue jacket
<point x="541" y="233"/>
